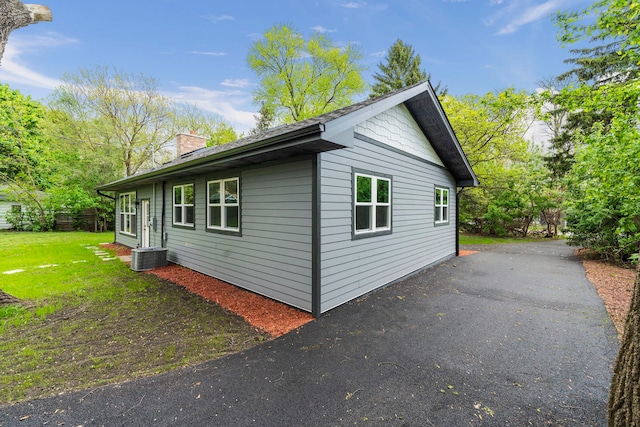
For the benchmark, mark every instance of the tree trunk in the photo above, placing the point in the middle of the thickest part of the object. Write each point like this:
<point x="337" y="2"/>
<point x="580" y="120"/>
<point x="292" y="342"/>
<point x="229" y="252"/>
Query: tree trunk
<point x="624" y="396"/>
<point x="14" y="14"/>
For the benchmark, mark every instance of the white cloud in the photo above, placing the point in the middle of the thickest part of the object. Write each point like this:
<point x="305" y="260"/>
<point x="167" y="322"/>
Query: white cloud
<point x="15" y="69"/>
<point x="321" y="29"/>
<point x="530" y="15"/>
<point x="218" y="18"/>
<point x="353" y="5"/>
<point x="197" y="52"/>
<point x="239" y="83"/>
<point x="228" y="104"/>
<point x="378" y="54"/>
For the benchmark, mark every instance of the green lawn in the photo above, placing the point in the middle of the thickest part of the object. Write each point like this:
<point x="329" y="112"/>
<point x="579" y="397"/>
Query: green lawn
<point x="88" y="321"/>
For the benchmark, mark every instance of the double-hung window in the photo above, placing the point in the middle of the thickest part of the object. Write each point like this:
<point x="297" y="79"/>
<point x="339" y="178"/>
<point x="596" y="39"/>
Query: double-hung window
<point x="372" y="204"/>
<point x="128" y="213"/>
<point x="223" y="204"/>
<point x="441" y="205"/>
<point x="183" y="202"/>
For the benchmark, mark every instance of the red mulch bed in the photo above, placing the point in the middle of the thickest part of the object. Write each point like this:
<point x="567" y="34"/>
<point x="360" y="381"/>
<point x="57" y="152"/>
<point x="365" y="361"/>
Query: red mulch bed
<point x="263" y="313"/>
<point x="271" y="316"/>
<point x="118" y="250"/>
<point x="464" y="252"/>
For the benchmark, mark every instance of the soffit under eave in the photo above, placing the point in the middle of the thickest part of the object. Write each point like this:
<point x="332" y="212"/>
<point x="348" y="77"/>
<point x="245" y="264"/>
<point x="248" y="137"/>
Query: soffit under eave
<point x="433" y="122"/>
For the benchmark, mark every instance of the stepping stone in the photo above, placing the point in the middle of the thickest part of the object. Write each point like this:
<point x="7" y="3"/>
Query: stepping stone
<point x="47" y="265"/>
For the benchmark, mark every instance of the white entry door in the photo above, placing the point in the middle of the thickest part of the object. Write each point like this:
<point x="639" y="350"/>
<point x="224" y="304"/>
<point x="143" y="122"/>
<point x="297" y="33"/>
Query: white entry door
<point x="146" y="228"/>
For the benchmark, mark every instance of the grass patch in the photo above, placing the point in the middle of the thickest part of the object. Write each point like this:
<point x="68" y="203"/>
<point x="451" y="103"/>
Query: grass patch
<point x="476" y="239"/>
<point x="92" y="322"/>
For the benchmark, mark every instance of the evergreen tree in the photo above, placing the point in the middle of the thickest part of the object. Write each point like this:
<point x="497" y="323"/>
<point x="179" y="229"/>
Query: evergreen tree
<point x="401" y="70"/>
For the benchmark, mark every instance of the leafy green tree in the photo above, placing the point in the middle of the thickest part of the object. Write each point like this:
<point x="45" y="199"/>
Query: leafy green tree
<point x="614" y="32"/>
<point x="24" y="169"/>
<point x="402" y="69"/>
<point x="210" y="126"/>
<point x="491" y="131"/>
<point x="605" y="178"/>
<point x="117" y="113"/>
<point x="264" y="119"/>
<point x="301" y="78"/>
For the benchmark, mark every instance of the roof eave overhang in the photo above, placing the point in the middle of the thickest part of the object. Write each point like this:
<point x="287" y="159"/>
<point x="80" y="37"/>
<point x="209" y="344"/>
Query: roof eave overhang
<point x="432" y="120"/>
<point x="302" y="141"/>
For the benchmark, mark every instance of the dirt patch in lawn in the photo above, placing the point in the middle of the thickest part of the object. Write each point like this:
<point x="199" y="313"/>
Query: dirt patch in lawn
<point x="263" y="313"/>
<point x="266" y="314"/>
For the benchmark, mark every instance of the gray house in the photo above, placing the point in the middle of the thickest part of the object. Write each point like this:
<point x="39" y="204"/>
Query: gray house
<point x="312" y="214"/>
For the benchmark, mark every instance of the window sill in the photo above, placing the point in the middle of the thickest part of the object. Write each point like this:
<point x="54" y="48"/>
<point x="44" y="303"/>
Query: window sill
<point x="366" y="235"/>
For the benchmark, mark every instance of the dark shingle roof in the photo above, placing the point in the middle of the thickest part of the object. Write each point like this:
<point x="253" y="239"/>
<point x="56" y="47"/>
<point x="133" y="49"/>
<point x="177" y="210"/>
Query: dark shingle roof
<point x="419" y="99"/>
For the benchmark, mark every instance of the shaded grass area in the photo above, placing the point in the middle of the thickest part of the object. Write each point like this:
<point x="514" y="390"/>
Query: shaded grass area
<point x="91" y="322"/>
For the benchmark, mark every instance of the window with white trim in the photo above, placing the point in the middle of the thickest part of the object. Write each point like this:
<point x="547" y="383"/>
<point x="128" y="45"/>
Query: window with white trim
<point x="372" y="204"/>
<point x="183" y="202"/>
<point x="128" y="213"/>
<point x="441" y="205"/>
<point x="223" y="204"/>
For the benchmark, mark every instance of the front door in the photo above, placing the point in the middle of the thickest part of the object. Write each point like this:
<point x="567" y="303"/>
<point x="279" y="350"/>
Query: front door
<point x="146" y="229"/>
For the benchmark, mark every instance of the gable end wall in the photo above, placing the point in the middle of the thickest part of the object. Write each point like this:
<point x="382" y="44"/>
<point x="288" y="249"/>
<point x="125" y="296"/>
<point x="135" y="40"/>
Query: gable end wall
<point x="351" y="268"/>
<point x="396" y="128"/>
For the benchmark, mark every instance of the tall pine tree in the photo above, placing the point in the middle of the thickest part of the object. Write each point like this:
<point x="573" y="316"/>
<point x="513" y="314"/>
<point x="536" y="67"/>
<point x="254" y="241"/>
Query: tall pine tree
<point x="401" y="70"/>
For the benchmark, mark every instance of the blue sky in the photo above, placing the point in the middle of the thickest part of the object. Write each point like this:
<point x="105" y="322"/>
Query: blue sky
<point x="197" y="49"/>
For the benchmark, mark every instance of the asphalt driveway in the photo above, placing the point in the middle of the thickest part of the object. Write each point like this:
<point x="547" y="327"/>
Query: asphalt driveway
<point x="512" y="336"/>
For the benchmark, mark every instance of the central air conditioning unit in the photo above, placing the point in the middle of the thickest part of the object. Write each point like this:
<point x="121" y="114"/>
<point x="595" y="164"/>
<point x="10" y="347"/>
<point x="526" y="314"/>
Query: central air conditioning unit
<point x="143" y="259"/>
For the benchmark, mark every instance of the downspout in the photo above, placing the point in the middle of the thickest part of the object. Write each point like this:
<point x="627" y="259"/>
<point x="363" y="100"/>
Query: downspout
<point x="458" y="221"/>
<point x="162" y="239"/>
<point x="114" y="211"/>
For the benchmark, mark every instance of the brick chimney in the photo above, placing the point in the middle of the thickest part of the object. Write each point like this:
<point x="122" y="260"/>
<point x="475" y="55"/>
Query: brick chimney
<point x="187" y="143"/>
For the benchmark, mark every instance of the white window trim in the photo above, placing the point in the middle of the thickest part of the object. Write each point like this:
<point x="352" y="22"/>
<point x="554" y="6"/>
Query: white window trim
<point x="223" y="204"/>
<point x="439" y="205"/>
<point x="374" y="204"/>
<point x="129" y="215"/>
<point x="182" y="205"/>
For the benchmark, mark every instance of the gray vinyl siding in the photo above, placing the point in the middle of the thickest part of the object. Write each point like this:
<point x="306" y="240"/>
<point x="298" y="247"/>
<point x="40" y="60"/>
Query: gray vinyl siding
<point x="350" y="268"/>
<point x="145" y="192"/>
<point x="5" y="207"/>
<point x="272" y="253"/>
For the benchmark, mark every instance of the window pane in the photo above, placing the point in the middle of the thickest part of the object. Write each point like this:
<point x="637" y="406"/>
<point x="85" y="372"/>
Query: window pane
<point x="363" y="189"/>
<point x="134" y="224"/>
<point x="363" y="217"/>
<point x="445" y="197"/>
<point x="438" y="197"/>
<point x="189" y="214"/>
<point x="188" y="194"/>
<point x="177" y="195"/>
<point x="383" y="191"/>
<point x="438" y="214"/>
<point x="214" y="193"/>
<point x="122" y="223"/>
<point x="232" y="217"/>
<point x="215" y="216"/>
<point x="231" y="192"/>
<point x="382" y="216"/>
<point x="445" y="213"/>
<point x="177" y="215"/>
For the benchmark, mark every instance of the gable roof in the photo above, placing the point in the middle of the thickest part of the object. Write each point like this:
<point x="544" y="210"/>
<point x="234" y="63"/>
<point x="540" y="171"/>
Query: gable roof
<point x="330" y="131"/>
